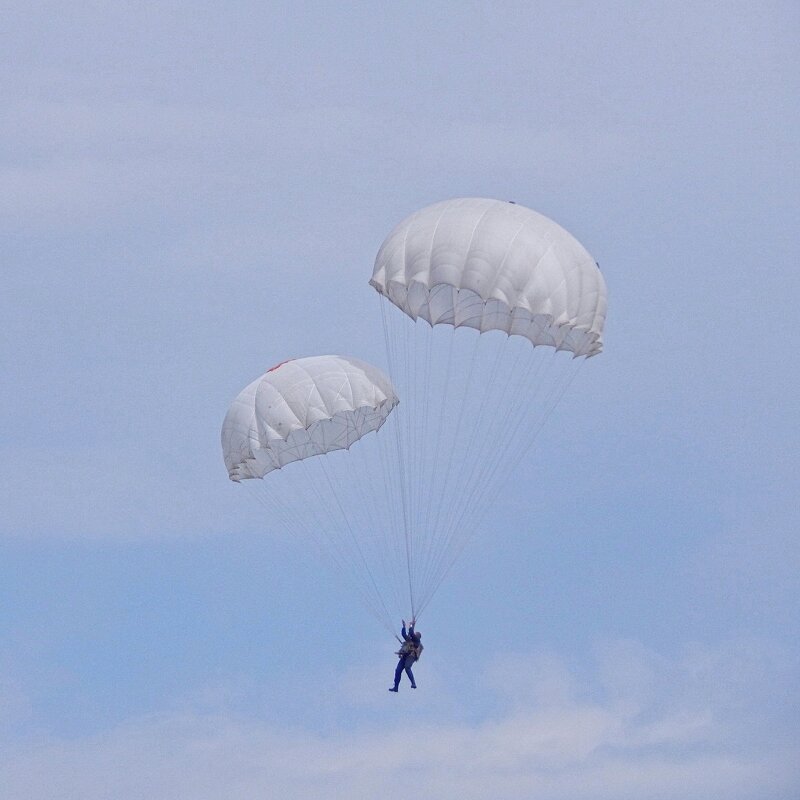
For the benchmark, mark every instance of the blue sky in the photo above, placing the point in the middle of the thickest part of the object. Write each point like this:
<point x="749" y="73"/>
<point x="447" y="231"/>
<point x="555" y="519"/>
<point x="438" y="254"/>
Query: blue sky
<point x="190" y="195"/>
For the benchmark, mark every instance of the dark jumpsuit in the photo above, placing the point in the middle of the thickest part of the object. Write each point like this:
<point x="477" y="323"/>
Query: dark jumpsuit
<point x="406" y="659"/>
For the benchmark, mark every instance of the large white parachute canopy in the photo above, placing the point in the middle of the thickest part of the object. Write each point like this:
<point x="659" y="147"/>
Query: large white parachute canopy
<point x="494" y="265"/>
<point x="475" y="400"/>
<point x="303" y="408"/>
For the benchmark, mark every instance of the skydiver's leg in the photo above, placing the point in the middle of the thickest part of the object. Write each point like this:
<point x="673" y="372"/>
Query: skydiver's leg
<point x="411" y="676"/>
<point x="397" y="674"/>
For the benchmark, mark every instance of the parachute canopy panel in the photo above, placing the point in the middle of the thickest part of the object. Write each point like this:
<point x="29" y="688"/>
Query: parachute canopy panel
<point x="303" y="408"/>
<point x="493" y="265"/>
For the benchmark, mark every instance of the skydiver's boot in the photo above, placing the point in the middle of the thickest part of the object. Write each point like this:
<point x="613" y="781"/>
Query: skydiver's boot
<point x="393" y="689"/>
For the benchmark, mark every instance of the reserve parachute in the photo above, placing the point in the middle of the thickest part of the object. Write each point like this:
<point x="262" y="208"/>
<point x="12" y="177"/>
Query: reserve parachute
<point x="311" y="412"/>
<point x="302" y="408"/>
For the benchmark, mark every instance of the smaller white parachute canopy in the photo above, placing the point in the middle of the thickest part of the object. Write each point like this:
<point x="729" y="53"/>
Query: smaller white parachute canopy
<point x="303" y="408"/>
<point x="494" y="265"/>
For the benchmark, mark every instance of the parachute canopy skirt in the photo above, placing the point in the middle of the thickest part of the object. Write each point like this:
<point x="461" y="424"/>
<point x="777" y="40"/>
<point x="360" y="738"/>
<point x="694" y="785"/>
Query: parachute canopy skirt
<point x="303" y="408"/>
<point x="494" y="265"/>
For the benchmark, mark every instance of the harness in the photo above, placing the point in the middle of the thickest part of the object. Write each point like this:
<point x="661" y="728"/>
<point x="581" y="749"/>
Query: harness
<point x="410" y="648"/>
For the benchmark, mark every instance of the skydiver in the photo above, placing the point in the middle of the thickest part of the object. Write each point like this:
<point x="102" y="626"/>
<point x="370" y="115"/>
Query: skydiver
<point x="409" y="652"/>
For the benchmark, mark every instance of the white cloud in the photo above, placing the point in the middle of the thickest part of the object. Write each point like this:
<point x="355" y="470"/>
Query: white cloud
<point x="580" y="752"/>
<point x="616" y="747"/>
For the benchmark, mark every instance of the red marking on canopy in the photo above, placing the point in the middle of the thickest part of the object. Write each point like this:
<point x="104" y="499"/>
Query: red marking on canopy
<point x="272" y="369"/>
